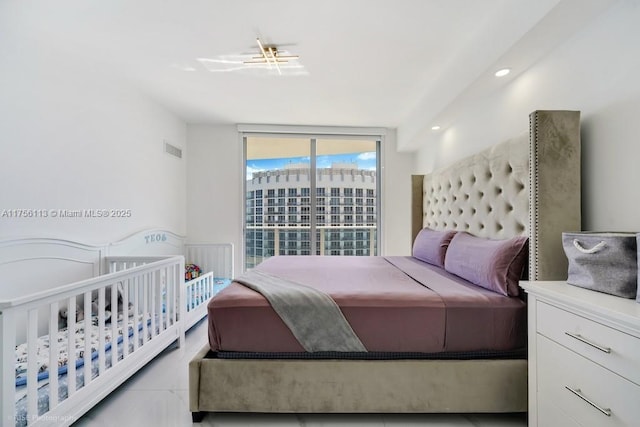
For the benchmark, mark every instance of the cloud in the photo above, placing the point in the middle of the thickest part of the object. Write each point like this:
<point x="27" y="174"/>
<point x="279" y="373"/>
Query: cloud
<point x="367" y="156"/>
<point x="251" y="170"/>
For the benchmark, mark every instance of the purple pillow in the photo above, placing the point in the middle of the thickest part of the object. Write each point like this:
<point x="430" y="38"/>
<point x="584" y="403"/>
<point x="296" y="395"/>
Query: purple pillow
<point x="493" y="264"/>
<point x="431" y="245"/>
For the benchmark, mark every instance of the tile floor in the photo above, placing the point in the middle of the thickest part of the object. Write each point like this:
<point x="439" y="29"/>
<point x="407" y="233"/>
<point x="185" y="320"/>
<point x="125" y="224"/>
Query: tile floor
<point x="158" y="396"/>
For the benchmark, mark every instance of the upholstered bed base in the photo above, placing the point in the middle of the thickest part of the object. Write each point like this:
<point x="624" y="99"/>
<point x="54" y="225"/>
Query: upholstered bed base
<point x="356" y="386"/>
<point x="543" y="201"/>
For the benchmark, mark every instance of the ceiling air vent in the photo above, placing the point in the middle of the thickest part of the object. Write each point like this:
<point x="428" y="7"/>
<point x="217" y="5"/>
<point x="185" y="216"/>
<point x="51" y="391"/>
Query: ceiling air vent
<point x="173" y="150"/>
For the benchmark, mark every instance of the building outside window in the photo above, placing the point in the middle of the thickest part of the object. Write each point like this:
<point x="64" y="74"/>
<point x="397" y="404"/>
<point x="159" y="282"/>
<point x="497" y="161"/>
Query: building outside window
<point x="284" y="183"/>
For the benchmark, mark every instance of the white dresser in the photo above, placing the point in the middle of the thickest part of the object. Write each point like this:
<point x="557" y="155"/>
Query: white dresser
<point x="584" y="357"/>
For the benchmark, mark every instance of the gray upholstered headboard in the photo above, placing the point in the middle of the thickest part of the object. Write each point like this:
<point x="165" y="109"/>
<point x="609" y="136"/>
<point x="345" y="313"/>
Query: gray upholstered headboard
<point x="529" y="185"/>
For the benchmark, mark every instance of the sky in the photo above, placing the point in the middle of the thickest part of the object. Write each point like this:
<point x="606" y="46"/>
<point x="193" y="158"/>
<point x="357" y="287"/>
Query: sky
<point x="364" y="160"/>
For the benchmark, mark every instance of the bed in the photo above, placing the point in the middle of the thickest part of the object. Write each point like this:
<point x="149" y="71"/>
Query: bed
<point x="96" y="313"/>
<point x="525" y="188"/>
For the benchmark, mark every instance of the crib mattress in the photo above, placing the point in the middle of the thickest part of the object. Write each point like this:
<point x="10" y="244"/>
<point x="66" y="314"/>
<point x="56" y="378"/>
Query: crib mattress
<point x="393" y="304"/>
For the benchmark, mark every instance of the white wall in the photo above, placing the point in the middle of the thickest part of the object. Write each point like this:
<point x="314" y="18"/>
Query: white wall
<point x="596" y="72"/>
<point x="214" y="180"/>
<point x="71" y="138"/>
<point x="396" y="198"/>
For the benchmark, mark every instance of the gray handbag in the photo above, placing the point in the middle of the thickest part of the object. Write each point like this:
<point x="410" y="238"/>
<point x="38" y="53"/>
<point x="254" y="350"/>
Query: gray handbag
<point x="604" y="262"/>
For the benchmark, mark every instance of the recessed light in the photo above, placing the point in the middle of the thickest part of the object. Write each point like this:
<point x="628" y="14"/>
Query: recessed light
<point x="502" y="72"/>
<point x="436" y="127"/>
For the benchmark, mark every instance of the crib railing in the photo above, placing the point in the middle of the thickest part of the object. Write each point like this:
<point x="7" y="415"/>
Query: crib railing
<point x="135" y="312"/>
<point x="119" y="263"/>
<point x="198" y="292"/>
<point x="214" y="257"/>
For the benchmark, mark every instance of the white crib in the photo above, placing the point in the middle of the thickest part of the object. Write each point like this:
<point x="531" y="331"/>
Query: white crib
<point x="214" y="259"/>
<point x="115" y="322"/>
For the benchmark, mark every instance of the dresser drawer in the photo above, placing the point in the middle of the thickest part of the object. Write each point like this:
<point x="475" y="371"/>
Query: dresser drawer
<point x="615" y="350"/>
<point x="560" y="370"/>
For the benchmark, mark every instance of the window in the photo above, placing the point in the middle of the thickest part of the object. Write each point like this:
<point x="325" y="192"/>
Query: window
<point x="311" y="186"/>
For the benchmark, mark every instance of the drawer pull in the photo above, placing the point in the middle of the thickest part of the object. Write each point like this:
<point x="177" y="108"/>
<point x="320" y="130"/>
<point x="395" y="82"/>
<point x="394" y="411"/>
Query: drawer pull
<point x="578" y="393"/>
<point x="586" y="341"/>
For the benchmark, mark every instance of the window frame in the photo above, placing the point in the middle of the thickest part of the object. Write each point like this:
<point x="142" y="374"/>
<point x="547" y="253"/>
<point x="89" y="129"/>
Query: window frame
<point x="317" y="133"/>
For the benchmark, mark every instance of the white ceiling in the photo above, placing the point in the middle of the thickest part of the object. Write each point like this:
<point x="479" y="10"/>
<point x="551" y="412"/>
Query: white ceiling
<point x="380" y="63"/>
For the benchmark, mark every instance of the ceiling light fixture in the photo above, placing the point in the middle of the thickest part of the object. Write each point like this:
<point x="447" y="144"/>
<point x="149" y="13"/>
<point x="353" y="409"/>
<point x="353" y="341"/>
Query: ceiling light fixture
<point x="436" y="127"/>
<point x="269" y="55"/>
<point x="502" y="72"/>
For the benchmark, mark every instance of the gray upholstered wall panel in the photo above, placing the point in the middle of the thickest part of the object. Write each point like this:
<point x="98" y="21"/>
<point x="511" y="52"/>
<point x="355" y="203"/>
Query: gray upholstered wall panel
<point x="554" y="143"/>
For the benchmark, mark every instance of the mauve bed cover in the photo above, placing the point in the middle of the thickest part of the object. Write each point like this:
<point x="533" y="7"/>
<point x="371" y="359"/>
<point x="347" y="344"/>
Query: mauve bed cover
<point x="394" y="304"/>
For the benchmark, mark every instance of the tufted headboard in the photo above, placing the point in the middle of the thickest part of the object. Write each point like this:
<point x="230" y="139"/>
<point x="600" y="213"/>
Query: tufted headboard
<point x="529" y="185"/>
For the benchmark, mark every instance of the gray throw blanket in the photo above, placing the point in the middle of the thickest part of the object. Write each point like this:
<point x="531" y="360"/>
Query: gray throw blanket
<point x="313" y="316"/>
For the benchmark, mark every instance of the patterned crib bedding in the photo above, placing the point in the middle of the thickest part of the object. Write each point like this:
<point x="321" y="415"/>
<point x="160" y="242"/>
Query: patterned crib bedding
<point x="43" y="386"/>
<point x="43" y="344"/>
<point x="195" y="298"/>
